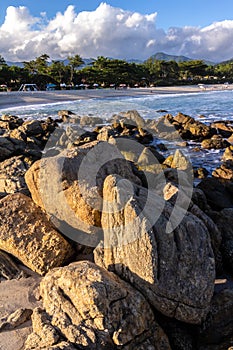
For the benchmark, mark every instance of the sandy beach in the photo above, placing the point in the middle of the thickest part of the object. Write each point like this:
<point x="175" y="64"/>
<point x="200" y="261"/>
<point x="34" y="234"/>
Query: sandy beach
<point x="16" y="98"/>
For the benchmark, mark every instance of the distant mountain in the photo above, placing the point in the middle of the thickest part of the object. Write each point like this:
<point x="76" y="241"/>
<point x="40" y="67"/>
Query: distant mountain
<point x="18" y="64"/>
<point x="157" y="56"/>
<point x="161" y="56"/>
<point x="226" y="62"/>
<point x="165" y="57"/>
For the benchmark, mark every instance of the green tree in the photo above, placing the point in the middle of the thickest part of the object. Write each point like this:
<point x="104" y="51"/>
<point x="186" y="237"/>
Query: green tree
<point x="74" y="62"/>
<point x="58" y="71"/>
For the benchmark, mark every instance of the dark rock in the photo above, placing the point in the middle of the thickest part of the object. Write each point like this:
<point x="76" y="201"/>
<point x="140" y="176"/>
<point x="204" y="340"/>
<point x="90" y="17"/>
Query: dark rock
<point x="217" y="330"/>
<point x="219" y="193"/>
<point x="200" y="173"/>
<point x="10" y="122"/>
<point x="224" y="221"/>
<point x="8" y="268"/>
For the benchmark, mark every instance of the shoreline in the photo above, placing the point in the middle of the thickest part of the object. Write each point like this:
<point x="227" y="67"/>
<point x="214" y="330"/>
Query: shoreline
<point x="21" y="99"/>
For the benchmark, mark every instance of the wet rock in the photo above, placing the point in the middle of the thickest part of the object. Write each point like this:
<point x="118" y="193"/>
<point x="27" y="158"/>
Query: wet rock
<point x="165" y="272"/>
<point x="93" y="308"/>
<point x="12" y="173"/>
<point x="15" y="319"/>
<point x="197" y="130"/>
<point x="216" y="142"/>
<point x="225" y="171"/>
<point x="224" y="128"/>
<point x="27" y="234"/>
<point x="200" y="173"/>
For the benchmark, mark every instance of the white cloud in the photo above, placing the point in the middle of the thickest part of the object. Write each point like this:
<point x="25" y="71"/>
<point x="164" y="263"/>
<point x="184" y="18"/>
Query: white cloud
<point x="107" y="31"/>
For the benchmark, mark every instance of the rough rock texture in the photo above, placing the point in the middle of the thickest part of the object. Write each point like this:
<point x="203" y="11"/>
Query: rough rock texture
<point x="8" y="268"/>
<point x="224" y="128"/>
<point x="141" y="246"/>
<point x="27" y="234"/>
<point x="92" y="308"/>
<point x="216" y="142"/>
<point x="15" y="319"/>
<point x="69" y="187"/>
<point x="219" y="193"/>
<point x="217" y="330"/>
<point x="224" y="221"/>
<point x="228" y="154"/>
<point x="225" y="171"/>
<point x="12" y="173"/>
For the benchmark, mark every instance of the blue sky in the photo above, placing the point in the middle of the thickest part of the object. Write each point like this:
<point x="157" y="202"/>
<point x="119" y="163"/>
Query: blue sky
<point x="170" y="12"/>
<point x="116" y="28"/>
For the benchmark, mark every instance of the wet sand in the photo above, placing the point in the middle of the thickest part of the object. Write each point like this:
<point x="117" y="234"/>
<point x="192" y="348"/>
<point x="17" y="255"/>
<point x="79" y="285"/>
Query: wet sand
<point x="22" y="98"/>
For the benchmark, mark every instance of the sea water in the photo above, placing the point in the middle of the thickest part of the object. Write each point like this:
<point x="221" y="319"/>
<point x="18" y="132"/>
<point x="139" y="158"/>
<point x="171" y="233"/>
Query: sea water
<point x="210" y="105"/>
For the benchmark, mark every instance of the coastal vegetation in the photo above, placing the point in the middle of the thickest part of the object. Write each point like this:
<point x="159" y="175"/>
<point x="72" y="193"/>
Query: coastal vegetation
<point x="111" y="72"/>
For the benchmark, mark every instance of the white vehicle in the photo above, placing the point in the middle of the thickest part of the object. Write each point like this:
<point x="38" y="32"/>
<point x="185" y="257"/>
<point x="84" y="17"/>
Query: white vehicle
<point x="29" y="87"/>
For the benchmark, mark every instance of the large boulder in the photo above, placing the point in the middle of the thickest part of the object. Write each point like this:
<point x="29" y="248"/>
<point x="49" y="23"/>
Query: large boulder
<point x="170" y="262"/>
<point x="92" y="308"/>
<point x="69" y="187"/>
<point x="27" y="234"/>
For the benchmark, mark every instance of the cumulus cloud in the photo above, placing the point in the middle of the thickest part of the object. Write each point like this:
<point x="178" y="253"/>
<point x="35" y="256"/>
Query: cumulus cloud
<point x="107" y="31"/>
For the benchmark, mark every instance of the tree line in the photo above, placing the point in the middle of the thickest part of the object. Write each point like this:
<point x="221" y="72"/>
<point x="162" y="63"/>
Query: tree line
<point x="106" y="72"/>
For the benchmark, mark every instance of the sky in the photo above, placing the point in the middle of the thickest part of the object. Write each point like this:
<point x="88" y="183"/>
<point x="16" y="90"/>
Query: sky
<point x="126" y="29"/>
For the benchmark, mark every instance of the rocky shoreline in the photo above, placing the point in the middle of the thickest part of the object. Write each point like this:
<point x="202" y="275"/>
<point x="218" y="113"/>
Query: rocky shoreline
<point x="105" y="241"/>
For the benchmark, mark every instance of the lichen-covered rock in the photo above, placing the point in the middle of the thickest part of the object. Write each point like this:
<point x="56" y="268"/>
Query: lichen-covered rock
<point x="27" y="234"/>
<point x="141" y="246"/>
<point x="94" y="309"/>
